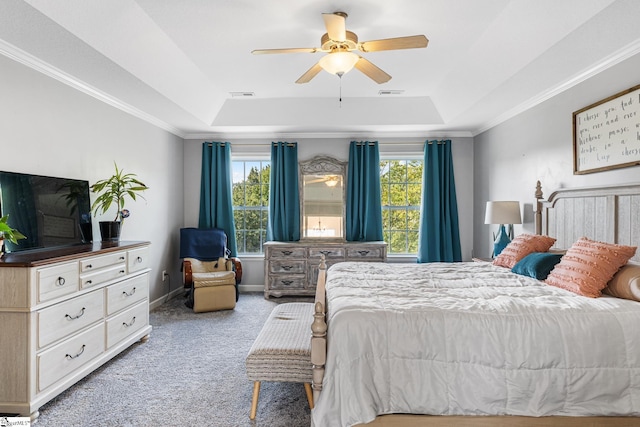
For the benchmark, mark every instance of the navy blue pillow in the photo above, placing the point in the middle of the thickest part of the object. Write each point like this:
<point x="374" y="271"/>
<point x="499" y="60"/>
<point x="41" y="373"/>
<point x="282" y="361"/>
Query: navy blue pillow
<point x="537" y="264"/>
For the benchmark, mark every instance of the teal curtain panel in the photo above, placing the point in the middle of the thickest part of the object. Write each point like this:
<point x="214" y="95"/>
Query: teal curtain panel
<point x="284" y="200"/>
<point x="364" y="207"/>
<point x="439" y="229"/>
<point x="216" y="205"/>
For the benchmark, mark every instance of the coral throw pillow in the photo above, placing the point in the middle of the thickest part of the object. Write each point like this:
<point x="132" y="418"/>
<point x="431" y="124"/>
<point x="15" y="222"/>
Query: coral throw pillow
<point x="522" y="246"/>
<point x="588" y="265"/>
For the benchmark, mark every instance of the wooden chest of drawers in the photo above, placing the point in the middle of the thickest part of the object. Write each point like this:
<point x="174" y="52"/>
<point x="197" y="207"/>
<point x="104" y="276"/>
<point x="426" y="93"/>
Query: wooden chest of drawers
<point x="291" y="268"/>
<point x="64" y="315"/>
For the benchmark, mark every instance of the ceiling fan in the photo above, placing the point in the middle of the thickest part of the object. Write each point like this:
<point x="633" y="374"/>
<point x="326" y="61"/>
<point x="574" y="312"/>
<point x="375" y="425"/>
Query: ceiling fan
<point x="328" y="180"/>
<point x="339" y="45"/>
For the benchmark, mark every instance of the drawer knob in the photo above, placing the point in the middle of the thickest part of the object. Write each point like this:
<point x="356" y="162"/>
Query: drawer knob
<point x="325" y="253"/>
<point x="70" y="357"/>
<point x="88" y="282"/>
<point x="287" y="267"/>
<point x="70" y="317"/>
<point x="139" y="259"/>
<point x="89" y="266"/>
<point x="286" y="253"/>
<point x="286" y="282"/>
<point x="60" y="281"/>
<point x="363" y="253"/>
<point x="127" y="294"/>
<point x="127" y="325"/>
<point x="121" y="272"/>
<point x="122" y="258"/>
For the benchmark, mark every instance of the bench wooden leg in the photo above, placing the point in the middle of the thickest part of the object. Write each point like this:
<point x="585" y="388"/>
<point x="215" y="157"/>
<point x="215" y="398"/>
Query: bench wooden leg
<point x="254" y="400"/>
<point x="307" y="388"/>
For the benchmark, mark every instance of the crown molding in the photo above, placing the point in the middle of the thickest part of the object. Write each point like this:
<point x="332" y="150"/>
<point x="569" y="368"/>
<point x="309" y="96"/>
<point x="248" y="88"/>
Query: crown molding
<point x="615" y="58"/>
<point x="18" y="55"/>
<point x="329" y="135"/>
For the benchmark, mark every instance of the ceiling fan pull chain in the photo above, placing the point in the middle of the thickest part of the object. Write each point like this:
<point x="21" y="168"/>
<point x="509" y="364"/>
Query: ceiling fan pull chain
<point x="340" y="96"/>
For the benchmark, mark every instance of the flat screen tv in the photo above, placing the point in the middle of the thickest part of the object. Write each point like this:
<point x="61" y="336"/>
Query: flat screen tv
<point x="51" y="212"/>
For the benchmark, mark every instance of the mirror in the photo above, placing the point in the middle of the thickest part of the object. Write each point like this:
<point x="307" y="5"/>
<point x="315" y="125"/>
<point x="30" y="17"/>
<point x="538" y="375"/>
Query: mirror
<point x="322" y="199"/>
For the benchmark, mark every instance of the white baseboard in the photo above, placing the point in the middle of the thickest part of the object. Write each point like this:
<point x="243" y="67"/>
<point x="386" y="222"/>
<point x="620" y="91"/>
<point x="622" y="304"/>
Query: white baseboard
<point x="165" y="298"/>
<point x="251" y="288"/>
<point x="180" y="292"/>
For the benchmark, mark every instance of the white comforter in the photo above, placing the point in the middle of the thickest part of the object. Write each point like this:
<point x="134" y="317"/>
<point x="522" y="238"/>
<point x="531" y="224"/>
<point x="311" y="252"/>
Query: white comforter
<point x="473" y="339"/>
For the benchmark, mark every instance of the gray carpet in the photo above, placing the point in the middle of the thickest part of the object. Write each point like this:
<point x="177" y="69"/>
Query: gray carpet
<point x="190" y="373"/>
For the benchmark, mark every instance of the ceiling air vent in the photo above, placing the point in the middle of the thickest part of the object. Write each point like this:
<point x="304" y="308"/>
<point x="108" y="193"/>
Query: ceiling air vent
<point x="390" y="92"/>
<point x="242" y="94"/>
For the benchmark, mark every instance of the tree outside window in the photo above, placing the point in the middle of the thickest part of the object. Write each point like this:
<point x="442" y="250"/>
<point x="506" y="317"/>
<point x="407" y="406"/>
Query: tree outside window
<point x="251" y="204"/>
<point x="401" y="189"/>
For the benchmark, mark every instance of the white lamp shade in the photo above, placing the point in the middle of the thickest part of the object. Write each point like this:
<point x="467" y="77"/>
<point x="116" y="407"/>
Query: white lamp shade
<point x="503" y="212"/>
<point x="338" y="62"/>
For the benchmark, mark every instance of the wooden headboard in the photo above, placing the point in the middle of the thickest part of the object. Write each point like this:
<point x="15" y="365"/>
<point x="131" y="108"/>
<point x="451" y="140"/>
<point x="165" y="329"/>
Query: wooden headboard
<point x="609" y="214"/>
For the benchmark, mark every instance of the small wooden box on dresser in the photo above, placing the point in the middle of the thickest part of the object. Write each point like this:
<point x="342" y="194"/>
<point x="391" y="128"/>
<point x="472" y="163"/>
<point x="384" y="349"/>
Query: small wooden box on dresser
<point x="64" y="313"/>
<point x="291" y="268"/>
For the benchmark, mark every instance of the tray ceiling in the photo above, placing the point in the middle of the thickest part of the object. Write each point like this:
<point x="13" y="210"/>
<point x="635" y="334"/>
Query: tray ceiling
<point x="178" y="63"/>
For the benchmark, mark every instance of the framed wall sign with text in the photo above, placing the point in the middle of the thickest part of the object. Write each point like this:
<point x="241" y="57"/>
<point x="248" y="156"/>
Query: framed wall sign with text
<point x="606" y="135"/>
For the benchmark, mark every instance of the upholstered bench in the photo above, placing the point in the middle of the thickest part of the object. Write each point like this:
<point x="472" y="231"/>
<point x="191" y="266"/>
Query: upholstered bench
<point x="282" y="350"/>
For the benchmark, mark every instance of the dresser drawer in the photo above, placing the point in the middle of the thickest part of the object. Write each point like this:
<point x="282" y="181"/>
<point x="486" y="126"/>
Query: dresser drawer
<point x="54" y="282"/>
<point x="126" y="293"/>
<point x="292" y="266"/>
<point x="365" y="253"/>
<point x="287" y="282"/>
<point x="138" y="259"/>
<point x="69" y="355"/>
<point x="126" y="323"/>
<point x="313" y="272"/>
<point x="92" y="264"/>
<point x="287" y="252"/>
<point x="101" y="276"/>
<point x="327" y="252"/>
<point x="63" y="319"/>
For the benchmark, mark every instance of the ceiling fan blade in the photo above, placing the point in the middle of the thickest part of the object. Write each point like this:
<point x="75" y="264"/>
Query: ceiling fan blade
<point x="409" y="42"/>
<point x="291" y="50"/>
<point x="371" y="71"/>
<point x="311" y="73"/>
<point x="336" y="26"/>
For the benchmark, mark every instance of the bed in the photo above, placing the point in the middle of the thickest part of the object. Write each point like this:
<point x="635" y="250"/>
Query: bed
<point x="475" y="344"/>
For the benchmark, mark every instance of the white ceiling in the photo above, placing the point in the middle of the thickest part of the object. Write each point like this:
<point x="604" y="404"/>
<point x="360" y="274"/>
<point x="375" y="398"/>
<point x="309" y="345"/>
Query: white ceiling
<point x="175" y="63"/>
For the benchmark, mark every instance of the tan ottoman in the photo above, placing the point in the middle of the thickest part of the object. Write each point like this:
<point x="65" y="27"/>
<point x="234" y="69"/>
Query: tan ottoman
<point x="214" y="291"/>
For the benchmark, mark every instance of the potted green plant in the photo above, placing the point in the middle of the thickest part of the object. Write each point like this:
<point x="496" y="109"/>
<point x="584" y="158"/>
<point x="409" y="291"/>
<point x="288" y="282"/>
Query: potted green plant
<point x="9" y="233"/>
<point x="115" y="189"/>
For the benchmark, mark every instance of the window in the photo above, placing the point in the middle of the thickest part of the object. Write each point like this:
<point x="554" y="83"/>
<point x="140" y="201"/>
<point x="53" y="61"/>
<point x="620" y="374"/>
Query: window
<point x="251" y="204"/>
<point x="401" y="190"/>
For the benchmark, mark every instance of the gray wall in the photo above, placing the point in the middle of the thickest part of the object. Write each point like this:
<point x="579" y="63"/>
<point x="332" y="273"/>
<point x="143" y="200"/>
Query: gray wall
<point x="537" y="145"/>
<point x="253" y="267"/>
<point x="49" y="128"/>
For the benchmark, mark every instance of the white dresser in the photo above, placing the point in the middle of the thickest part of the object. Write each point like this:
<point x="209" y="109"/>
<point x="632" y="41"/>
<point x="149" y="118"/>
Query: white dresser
<point x="64" y="313"/>
<point x="291" y="268"/>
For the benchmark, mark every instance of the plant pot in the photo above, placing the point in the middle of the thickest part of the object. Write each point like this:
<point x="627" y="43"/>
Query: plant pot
<point x="110" y="231"/>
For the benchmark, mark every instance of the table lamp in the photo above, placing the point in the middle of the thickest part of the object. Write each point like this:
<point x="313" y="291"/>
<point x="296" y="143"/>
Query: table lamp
<point x="502" y="212"/>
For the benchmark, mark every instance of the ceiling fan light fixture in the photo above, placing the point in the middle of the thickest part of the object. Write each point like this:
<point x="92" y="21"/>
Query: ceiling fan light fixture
<point x="339" y="63"/>
<point x="332" y="181"/>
